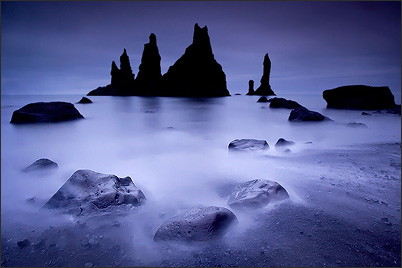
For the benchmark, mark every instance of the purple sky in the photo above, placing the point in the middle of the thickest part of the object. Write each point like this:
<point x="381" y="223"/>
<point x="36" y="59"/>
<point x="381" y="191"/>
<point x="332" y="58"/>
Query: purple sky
<point x="67" y="47"/>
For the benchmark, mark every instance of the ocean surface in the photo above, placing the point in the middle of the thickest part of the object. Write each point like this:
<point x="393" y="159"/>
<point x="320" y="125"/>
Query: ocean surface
<point x="174" y="149"/>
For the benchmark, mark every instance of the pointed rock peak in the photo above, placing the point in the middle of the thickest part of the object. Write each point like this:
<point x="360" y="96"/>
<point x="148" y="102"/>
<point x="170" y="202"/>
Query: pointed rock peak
<point x="201" y="39"/>
<point x="152" y="39"/>
<point x="266" y="58"/>
<point x="114" y="66"/>
<point x="124" y="53"/>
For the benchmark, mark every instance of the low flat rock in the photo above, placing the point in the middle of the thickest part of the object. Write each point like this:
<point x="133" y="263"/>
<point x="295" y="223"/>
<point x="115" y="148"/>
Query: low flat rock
<point x="242" y="145"/>
<point x="197" y="224"/>
<point x="303" y="114"/>
<point x="87" y="191"/>
<point x="257" y="193"/>
<point x="283" y="103"/>
<point x="45" y="112"/>
<point x="356" y="124"/>
<point x="41" y="164"/>
<point x="283" y="143"/>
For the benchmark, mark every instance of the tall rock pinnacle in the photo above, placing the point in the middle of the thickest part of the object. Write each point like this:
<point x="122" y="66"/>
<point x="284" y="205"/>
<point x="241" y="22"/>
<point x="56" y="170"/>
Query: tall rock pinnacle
<point x="149" y="76"/>
<point x="265" y="88"/>
<point x="196" y="73"/>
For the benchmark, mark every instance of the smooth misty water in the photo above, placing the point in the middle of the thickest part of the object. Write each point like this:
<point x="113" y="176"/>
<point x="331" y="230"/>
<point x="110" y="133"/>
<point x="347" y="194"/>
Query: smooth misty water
<point x="174" y="149"/>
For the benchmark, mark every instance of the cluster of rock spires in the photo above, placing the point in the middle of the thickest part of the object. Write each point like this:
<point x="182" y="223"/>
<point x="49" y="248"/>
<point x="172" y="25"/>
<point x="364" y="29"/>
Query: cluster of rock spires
<point x="265" y="88"/>
<point x="195" y="74"/>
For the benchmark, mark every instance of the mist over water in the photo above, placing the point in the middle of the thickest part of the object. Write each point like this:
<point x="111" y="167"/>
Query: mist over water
<point x="174" y="149"/>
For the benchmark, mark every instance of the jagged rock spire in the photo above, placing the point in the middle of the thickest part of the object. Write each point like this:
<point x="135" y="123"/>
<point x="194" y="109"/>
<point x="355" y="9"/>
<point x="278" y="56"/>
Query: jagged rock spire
<point x="250" y="87"/>
<point x="265" y="88"/>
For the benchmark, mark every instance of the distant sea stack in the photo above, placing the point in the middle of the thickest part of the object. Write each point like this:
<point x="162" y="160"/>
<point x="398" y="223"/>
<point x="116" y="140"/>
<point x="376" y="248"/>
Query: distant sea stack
<point x="196" y="73"/>
<point x="149" y="78"/>
<point x="265" y="88"/>
<point x="359" y="97"/>
<point x="250" y="87"/>
<point x="122" y="81"/>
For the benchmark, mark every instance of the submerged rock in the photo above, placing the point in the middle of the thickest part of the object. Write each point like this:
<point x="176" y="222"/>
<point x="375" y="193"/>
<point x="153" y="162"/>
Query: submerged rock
<point x="87" y="191"/>
<point x="197" y="224"/>
<point x="355" y="124"/>
<point x="265" y="88"/>
<point x="283" y="103"/>
<point x="257" y="193"/>
<point x="45" y="112"/>
<point x="248" y="145"/>
<point x="303" y="114"/>
<point x="41" y="164"/>
<point x="196" y="73"/>
<point x="359" y="97"/>
<point x="85" y="100"/>
<point x="262" y="99"/>
<point x="283" y="143"/>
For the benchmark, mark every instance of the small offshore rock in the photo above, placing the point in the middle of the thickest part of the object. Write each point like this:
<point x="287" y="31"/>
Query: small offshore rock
<point x="283" y="143"/>
<point x="283" y="103"/>
<point x="262" y="99"/>
<point x="248" y="145"/>
<point x="85" y="100"/>
<point x="256" y="193"/>
<point x="43" y="163"/>
<point x="303" y="114"/>
<point x="355" y="124"/>
<point x="197" y="224"/>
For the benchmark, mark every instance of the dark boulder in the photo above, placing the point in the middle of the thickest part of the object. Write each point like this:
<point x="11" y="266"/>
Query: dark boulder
<point x="283" y="143"/>
<point x="257" y="193"/>
<point x="122" y="80"/>
<point x="303" y="114"/>
<point x="265" y="88"/>
<point x="237" y="94"/>
<point x="87" y="191"/>
<point x="262" y="99"/>
<point x="23" y="243"/>
<point x="85" y="100"/>
<point x="283" y="103"/>
<point x="197" y="224"/>
<point x="196" y="73"/>
<point x="149" y="78"/>
<point x="250" y="87"/>
<point x="359" y="97"/>
<point x="248" y="145"/>
<point x="45" y="112"/>
<point x="41" y="164"/>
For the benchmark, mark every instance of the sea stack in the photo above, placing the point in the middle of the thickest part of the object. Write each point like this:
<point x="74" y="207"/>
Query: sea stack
<point x="250" y="87"/>
<point x="149" y="76"/>
<point x="265" y="88"/>
<point x="196" y="73"/>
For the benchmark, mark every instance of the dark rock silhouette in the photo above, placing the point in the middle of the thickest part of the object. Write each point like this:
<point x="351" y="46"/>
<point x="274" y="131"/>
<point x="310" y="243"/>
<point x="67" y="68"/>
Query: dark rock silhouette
<point x="23" y="243"/>
<point x="359" y="97"/>
<point x="237" y="94"/>
<point x="248" y="145"/>
<point x="263" y="99"/>
<point x="303" y="114"/>
<point x="197" y="224"/>
<point x="257" y="193"/>
<point x="45" y="112"/>
<point x="355" y="124"/>
<point x="87" y="191"/>
<point x="250" y="87"/>
<point x="283" y="143"/>
<point x="283" y="103"/>
<point x="84" y="100"/>
<point x="41" y="164"/>
<point x="265" y="88"/>
<point x="122" y="82"/>
<point x="196" y="73"/>
<point x="149" y="77"/>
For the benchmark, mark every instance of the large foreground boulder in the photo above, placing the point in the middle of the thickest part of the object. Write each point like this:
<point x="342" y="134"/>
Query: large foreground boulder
<point x="41" y="164"/>
<point x="359" y="97"/>
<point x="197" y="224"/>
<point x="45" y="112"/>
<point x="87" y="191"/>
<point x="283" y="103"/>
<point x="248" y="145"/>
<point x="303" y="114"/>
<point x="256" y="193"/>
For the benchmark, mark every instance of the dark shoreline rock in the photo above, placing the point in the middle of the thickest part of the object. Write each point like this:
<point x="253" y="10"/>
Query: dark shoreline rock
<point x="197" y="224"/>
<point x="84" y="100"/>
<point x="283" y="143"/>
<point x="283" y="103"/>
<point x="300" y="114"/>
<point x="45" y="112"/>
<point x="359" y="97"/>
<point x="263" y="99"/>
<point x="242" y="145"/>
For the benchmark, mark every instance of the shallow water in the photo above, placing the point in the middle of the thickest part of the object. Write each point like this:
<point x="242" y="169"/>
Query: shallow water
<point x="174" y="149"/>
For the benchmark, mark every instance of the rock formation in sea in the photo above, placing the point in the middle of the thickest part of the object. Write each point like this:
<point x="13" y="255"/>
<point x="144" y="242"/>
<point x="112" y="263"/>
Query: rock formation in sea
<point x="196" y="73"/>
<point x="283" y="103"/>
<point x="246" y="145"/>
<point x="86" y="192"/>
<point x="283" y="143"/>
<point x="45" y="112"/>
<point x="197" y="224"/>
<point x="265" y="88"/>
<point x="263" y="99"/>
<point x="122" y="80"/>
<point x="359" y="97"/>
<point x="299" y="114"/>
<point x="84" y="100"/>
<point x="41" y="164"/>
<point x="149" y="77"/>
<point x="256" y="193"/>
<point x="250" y="87"/>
